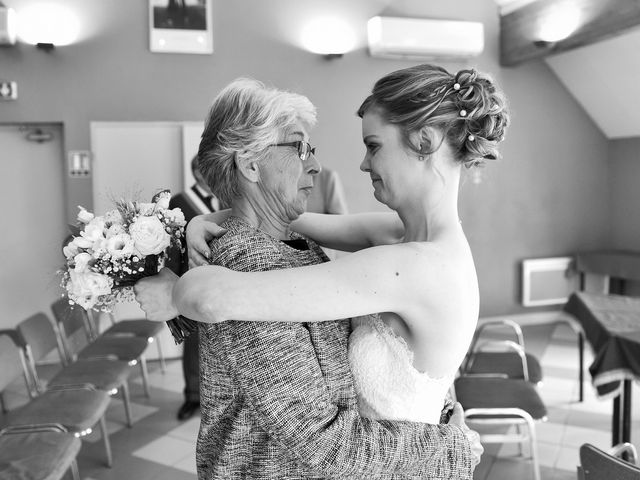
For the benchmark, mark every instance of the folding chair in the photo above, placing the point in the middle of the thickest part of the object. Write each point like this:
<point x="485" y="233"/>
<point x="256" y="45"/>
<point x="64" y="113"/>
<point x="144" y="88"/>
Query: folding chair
<point x="74" y="409"/>
<point x="39" y="452"/>
<point x="72" y="319"/>
<point x="41" y="337"/>
<point x="502" y="401"/>
<point x="596" y="464"/>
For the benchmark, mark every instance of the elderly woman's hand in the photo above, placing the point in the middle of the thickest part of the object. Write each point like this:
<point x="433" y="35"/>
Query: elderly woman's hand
<point x="200" y="231"/>
<point x="457" y="418"/>
<point x="155" y="295"/>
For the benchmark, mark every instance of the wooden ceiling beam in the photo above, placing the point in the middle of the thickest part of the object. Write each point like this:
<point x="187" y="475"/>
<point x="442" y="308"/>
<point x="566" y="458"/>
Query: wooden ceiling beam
<point x="520" y="30"/>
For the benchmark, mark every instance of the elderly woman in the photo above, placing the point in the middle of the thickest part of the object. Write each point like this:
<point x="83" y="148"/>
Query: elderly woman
<point x="278" y="399"/>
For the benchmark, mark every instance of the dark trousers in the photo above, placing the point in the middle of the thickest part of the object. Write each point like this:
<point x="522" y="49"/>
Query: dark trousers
<point x="191" y="368"/>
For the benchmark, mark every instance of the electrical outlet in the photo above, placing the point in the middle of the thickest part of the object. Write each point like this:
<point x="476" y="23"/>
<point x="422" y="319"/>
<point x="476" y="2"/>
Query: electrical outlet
<point x="8" y="90"/>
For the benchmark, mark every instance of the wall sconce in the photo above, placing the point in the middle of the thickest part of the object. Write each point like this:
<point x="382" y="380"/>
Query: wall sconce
<point x="331" y="37"/>
<point x="544" y="44"/>
<point x="47" y="47"/>
<point x="8" y="25"/>
<point x="47" y="25"/>
<point x="558" y="24"/>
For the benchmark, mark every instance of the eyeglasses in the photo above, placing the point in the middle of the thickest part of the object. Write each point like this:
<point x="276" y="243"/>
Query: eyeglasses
<point x="304" y="148"/>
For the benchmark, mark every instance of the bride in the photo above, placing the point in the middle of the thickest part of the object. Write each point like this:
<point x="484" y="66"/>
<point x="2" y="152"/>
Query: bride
<point x="414" y="303"/>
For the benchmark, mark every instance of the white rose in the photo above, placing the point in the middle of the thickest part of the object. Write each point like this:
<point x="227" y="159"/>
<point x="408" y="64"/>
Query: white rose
<point x="84" y="216"/>
<point x="81" y="262"/>
<point x="120" y="245"/>
<point x="94" y="230"/>
<point x="85" y="288"/>
<point x="149" y="236"/>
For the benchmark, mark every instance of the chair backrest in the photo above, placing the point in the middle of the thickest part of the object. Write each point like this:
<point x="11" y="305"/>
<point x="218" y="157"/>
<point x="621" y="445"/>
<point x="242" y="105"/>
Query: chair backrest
<point x="599" y="465"/>
<point x="71" y="318"/>
<point x="40" y="335"/>
<point x="11" y="363"/>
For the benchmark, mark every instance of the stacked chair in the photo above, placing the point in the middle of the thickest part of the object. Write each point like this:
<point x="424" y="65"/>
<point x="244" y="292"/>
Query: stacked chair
<point x="140" y="327"/>
<point x="499" y="388"/>
<point x="60" y="410"/>
<point x="512" y="361"/>
<point x="596" y="464"/>
<point x="72" y="319"/>
<point x="41" y="337"/>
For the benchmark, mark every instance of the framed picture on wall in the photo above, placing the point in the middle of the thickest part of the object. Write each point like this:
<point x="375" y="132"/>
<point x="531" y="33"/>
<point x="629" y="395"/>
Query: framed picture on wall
<point x="180" y="26"/>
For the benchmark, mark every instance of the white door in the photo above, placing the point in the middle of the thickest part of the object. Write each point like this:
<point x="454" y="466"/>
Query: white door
<point x="136" y="159"/>
<point x="33" y="220"/>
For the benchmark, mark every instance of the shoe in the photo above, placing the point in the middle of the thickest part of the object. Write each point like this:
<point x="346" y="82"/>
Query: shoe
<point x="188" y="409"/>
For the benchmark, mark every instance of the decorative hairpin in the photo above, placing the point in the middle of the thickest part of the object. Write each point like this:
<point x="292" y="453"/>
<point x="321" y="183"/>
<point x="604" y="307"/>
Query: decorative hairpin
<point x="463" y="113"/>
<point x="471" y="138"/>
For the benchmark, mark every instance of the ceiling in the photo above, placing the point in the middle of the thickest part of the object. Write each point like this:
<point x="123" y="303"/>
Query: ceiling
<point x="603" y="78"/>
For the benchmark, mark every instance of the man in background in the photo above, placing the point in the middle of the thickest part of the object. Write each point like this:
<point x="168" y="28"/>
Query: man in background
<point x="195" y="201"/>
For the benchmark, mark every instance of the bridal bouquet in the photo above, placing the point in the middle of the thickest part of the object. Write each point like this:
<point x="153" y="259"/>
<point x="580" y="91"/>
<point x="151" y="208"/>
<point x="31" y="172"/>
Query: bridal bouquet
<point x="110" y="253"/>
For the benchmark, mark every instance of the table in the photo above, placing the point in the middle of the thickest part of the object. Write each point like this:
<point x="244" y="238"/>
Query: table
<point x="612" y="326"/>
<point x="618" y="265"/>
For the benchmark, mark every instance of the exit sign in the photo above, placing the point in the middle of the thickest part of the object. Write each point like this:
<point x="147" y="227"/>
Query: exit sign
<point x="8" y="90"/>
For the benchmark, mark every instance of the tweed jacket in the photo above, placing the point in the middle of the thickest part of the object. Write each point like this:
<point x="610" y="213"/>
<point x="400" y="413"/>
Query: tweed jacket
<point x="278" y="401"/>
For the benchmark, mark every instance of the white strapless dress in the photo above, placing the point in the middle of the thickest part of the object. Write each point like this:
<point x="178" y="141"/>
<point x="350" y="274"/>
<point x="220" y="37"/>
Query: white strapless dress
<point x="387" y="384"/>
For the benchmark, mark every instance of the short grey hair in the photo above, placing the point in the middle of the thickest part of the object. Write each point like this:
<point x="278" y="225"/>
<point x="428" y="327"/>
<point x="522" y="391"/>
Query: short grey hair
<point x="246" y="117"/>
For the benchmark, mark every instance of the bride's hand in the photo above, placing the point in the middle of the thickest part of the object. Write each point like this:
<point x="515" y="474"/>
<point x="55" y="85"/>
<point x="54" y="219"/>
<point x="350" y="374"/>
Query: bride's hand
<point x="200" y="232"/>
<point x="155" y="295"/>
<point x="457" y="418"/>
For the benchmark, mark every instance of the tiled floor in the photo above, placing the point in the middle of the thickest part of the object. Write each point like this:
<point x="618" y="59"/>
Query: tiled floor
<point x="159" y="447"/>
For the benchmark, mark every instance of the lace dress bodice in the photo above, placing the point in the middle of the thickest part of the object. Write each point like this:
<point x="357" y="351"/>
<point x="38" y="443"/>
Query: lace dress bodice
<point x="388" y="385"/>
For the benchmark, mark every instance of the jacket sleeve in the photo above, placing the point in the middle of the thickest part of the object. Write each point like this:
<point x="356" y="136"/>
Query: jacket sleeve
<point x="278" y="371"/>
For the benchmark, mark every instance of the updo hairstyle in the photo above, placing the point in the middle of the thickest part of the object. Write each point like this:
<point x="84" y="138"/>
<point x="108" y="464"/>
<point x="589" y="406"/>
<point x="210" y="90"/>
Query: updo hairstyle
<point x="245" y="119"/>
<point x="468" y="108"/>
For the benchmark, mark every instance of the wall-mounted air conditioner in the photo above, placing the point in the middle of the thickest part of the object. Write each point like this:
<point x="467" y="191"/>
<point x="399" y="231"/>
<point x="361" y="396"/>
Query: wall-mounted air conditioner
<point x="420" y="38"/>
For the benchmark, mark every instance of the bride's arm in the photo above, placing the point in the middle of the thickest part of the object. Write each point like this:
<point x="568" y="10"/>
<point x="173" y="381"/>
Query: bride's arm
<point x="201" y="229"/>
<point x="351" y="232"/>
<point x="348" y="233"/>
<point x="378" y="279"/>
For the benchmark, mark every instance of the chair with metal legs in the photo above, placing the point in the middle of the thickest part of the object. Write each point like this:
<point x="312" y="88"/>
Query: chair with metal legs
<point x="39" y="452"/>
<point x="41" y="337"/>
<point x="75" y="409"/>
<point x="498" y="400"/>
<point x="506" y="357"/>
<point x="139" y="327"/>
<point x="72" y="319"/>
